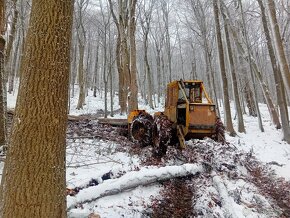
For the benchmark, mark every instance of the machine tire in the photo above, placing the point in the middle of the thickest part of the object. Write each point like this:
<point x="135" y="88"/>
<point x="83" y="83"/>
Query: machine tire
<point x="141" y="129"/>
<point x="220" y="131"/>
<point x="161" y="134"/>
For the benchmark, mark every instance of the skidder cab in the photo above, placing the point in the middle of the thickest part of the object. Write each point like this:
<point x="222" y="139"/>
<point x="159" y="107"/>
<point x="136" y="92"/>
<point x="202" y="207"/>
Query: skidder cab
<point x="189" y="113"/>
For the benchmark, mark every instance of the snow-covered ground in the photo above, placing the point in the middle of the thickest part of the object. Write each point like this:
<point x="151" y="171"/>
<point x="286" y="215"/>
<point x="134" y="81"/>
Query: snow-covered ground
<point x="89" y="160"/>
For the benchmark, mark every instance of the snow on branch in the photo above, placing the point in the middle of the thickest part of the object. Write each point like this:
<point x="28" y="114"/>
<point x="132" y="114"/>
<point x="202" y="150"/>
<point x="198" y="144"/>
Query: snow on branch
<point x="131" y="180"/>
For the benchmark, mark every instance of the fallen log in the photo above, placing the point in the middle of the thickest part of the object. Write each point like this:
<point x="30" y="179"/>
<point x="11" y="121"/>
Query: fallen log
<point x="132" y="180"/>
<point x="226" y="200"/>
<point x="113" y="121"/>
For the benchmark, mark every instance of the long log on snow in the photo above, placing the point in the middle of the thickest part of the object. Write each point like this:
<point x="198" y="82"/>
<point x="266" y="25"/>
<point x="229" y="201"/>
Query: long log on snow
<point x="226" y="200"/>
<point x="113" y="121"/>
<point x="132" y="180"/>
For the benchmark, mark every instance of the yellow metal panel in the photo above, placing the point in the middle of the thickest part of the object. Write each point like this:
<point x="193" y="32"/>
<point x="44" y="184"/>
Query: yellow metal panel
<point x="201" y="115"/>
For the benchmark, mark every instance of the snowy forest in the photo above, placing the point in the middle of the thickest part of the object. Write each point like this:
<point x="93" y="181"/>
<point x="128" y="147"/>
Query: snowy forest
<point x="144" y="108"/>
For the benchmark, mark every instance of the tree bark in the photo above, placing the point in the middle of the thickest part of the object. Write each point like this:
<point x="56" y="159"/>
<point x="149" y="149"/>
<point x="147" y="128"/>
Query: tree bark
<point x="279" y="46"/>
<point x="277" y="76"/>
<point x="227" y="109"/>
<point x="81" y="36"/>
<point x="13" y="67"/>
<point x="165" y="11"/>
<point x="34" y="183"/>
<point x="81" y="79"/>
<point x="145" y="25"/>
<point x="3" y="133"/>
<point x="126" y="54"/>
<point x="11" y="34"/>
<point x="96" y="70"/>
<point x="133" y="97"/>
<point x="241" y="126"/>
<point x="248" y="57"/>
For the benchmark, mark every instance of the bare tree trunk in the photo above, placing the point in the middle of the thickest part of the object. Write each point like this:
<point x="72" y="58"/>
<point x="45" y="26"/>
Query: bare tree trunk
<point x="158" y="42"/>
<point x="14" y="64"/>
<point x="11" y="35"/>
<point x="148" y="73"/>
<point x="250" y="99"/>
<point x="3" y="132"/>
<point x="241" y="127"/>
<point x="126" y="53"/>
<point x="81" y="36"/>
<point x="133" y="97"/>
<point x="227" y="109"/>
<point x="250" y="62"/>
<point x="248" y="57"/>
<point x="96" y="69"/>
<point x="279" y="46"/>
<point x="158" y="69"/>
<point x="39" y="128"/>
<point x="181" y="55"/>
<point x="111" y="89"/>
<point x="122" y="86"/>
<point x="145" y="25"/>
<point x="277" y="76"/>
<point x="73" y="70"/>
<point x="81" y="79"/>
<point x="165" y="10"/>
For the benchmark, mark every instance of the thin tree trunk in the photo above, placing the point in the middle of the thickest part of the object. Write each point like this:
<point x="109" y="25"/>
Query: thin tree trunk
<point x="248" y="57"/>
<point x="111" y="90"/>
<point x="158" y="69"/>
<point x="147" y="67"/>
<point x="73" y="71"/>
<point x="279" y="46"/>
<point x="227" y="109"/>
<point x="14" y="64"/>
<point x="122" y="53"/>
<point x="96" y="69"/>
<point x="3" y="111"/>
<point x="241" y="126"/>
<point x="105" y="80"/>
<point x="11" y="34"/>
<point x="3" y="133"/>
<point x="277" y="76"/>
<point x="133" y="97"/>
<point x="122" y="97"/>
<point x="81" y="79"/>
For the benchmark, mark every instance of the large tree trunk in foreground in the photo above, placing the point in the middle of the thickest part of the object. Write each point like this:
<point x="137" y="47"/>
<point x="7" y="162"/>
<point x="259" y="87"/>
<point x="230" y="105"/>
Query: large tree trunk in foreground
<point x="33" y="184"/>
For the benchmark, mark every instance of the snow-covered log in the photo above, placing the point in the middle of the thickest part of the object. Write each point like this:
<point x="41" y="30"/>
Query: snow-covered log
<point x="227" y="201"/>
<point x="131" y="180"/>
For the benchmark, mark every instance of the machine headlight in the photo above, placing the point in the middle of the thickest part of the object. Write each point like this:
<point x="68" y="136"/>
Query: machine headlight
<point x="212" y="108"/>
